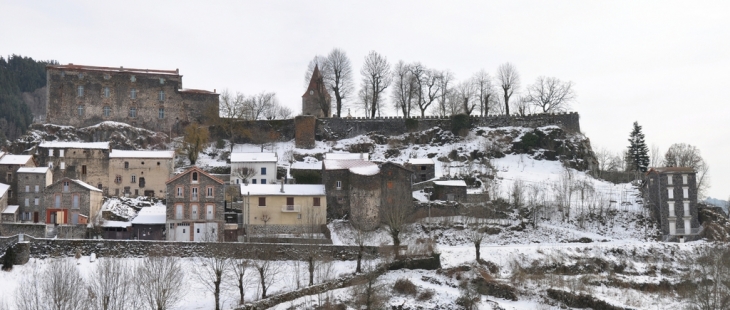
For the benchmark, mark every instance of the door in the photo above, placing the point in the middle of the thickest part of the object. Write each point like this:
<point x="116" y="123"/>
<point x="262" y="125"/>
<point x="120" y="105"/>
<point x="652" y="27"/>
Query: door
<point x="199" y="231"/>
<point x="672" y="228"/>
<point x="687" y="227"/>
<point x="182" y="233"/>
<point x="35" y="217"/>
<point x="53" y="218"/>
<point x="209" y="212"/>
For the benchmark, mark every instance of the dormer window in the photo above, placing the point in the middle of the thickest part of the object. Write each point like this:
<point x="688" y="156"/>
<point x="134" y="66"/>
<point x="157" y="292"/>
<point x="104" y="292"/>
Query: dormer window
<point x="311" y="92"/>
<point x="195" y="177"/>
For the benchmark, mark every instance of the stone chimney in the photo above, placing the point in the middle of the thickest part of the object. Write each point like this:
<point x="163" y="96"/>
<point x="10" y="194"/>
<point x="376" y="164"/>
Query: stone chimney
<point x="282" y="186"/>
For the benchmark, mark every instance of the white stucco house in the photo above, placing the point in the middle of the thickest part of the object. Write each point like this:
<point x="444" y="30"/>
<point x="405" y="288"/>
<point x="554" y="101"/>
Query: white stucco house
<point x="253" y="168"/>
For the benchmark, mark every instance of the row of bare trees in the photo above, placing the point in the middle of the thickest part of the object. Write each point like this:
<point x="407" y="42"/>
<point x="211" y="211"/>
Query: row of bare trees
<point x="263" y="105"/>
<point x="414" y="86"/>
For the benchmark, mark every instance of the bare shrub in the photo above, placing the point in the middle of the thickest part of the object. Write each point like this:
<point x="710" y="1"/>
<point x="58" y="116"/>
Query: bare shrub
<point x="111" y="285"/>
<point x="369" y="294"/>
<point x="59" y="286"/>
<point x="426" y="295"/>
<point x="210" y="272"/>
<point x="405" y="286"/>
<point x="158" y="280"/>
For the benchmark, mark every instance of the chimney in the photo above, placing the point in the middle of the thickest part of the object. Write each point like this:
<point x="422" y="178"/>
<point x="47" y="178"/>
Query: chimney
<point x="282" y="185"/>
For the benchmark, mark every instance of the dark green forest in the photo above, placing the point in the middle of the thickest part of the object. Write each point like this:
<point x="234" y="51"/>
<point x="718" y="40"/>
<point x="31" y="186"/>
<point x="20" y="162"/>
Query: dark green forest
<point x="18" y="74"/>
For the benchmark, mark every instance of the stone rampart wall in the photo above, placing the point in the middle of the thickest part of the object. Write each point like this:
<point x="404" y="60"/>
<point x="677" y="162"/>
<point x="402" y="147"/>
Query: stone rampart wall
<point x="30" y="229"/>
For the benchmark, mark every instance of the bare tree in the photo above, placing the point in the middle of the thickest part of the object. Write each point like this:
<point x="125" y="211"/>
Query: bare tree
<point x="310" y="226"/>
<point x="485" y="91"/>
<point x="244" y="173"/>
<point x="239" y="266"/>
<point x="550" y="94"/>
<point x="711" y="274"/>
<point x="277" y="111"/>
<point x="522" y="105"/>
<point x="405" y="88"/>
<point x="339" y="80"/>
<point x="376" y="76"/>
<point x="256" y="105"/>
<point x="465" y="92"/>
<point x="158" y="280"/>
<point x="59" y="287"/>
<point x="111" y="286"/>
<point x="475" y="233"/>
<point x="210" y="272"/>
<point x="509" y="81"/>
<point x="361" y="238"/>
<point x="686" y="155"/>
<point x="418" y="74"/>
<point x="395" y="217"/>
<point x="268" y="271"/>
<point x="369" y="294"/>
<point x="443" y="91"/>
<point x="430" y="89"/>
<point x="655" y="156"/>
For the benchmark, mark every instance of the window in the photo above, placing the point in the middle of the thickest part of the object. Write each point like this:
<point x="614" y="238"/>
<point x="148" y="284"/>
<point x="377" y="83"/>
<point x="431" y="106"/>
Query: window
<point x="37" y="201"/>
<point x="98" y="186"/>
<point x="161" y="113"/>
<point x="80" y="91"/>
<point x="179" y="191"/>
<point x="57" y="203"/>
<point x="316" y="201"/>
<point x="60" y="153"/>
<point x="107" y="111"/>
<point x="133" y="78"/>
<point x="161" y="95"/>
<point x="263" y="171"/>
<point x="669" y="179"/>
<point x="423" y="167"/>
<point x="209" y="213"/>
<point x="162" y="81"/>
<point x="75" y="204"/>
<point x="685" y="192"/>
<point x="37" y="188"/>
<point x="209" y="191"/>
<point x="338" y="184"/>
<point x="389" y="184"/>
<point x="106" y="92"/>
<point x="81" y="76"/>
<point x="63" y="165"/>
<point x="126" y="165"/>
<point x="179" y="212"/>
<point x="194" y="194"/>
<point x="133" y="93"/>
<point x="118" y="179"/>
<point x="10" y="176"/>
<point x="142" y="182"/>
<point x="107" y="76"/>
<point x="290" y="203"/>
<point x="311" y="92"/>
<point x="686" y="209"/>
<point x="50" y="153"/>
<point x="684" y="179"/>
<point x="253" y="181"/>
<point x="194" y="212"/>
<point x="262" y="201"/>
<point x="65" y="186"/>
<point x="134" y="179"/>
<point x="80" y="110"/>
<point x="195" y="177"/>
<point x="27" y="202"/>
<point x="132" y="112"/>
<point x="299" y="216"/>
<point x="27" y="188"/>
<point x="670" y="193"/>
<point x="671" y="209"/>
<point x="263" y="181"/>
<point x="423" y="177"/>
<point x="83" y="169"/>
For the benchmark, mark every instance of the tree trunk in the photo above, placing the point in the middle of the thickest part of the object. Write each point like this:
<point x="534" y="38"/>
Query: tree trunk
<point x="311" y="270"/>
<point x="217" y="293"/>
<point x="240" y="289"/>
<point x="360" y="249"/>
<point x="478" y="248"/>
<point x="396" y="246"/>
<point x="506" y="102"/>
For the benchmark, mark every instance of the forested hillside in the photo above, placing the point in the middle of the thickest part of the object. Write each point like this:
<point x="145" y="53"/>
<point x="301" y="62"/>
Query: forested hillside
<point x="18" y="74"/>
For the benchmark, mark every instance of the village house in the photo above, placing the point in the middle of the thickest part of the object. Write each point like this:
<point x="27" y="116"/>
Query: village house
<point x="284" y="209"/>
<point x="451" y="190"/>
<point x="9" y="165"/>
<point x="149" y="224"/>
<point x="32" y="183"/>
<point x="152" y="99"/>
<point x="671" y="194"/>
<point x="424" y="169"/>
<point x="10" y="214"/>
<point x="4" y="192"/>
<point x="135" y="173"/>
<point x="254" y="168"/>
<point x="195" y="206"/>
<point x="85" y="161"/>
<point x="72" y="202"/>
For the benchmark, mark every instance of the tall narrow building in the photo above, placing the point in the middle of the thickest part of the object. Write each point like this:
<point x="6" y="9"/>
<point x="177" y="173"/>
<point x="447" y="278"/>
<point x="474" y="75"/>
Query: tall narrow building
<point x="316" y="100"/>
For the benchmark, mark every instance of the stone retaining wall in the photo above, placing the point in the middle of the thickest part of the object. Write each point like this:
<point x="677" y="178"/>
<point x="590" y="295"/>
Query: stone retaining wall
<point x="30" y="229"/>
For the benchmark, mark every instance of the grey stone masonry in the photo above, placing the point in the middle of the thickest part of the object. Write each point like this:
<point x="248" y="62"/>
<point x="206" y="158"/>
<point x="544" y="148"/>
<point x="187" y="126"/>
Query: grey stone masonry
<point x="671" y="194"/>
<point x="189" y="195"/>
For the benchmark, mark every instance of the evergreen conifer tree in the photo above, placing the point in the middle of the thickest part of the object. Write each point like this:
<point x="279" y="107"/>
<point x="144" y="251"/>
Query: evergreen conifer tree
<point x="8" y="259"/>
<point x="638" y="151"/>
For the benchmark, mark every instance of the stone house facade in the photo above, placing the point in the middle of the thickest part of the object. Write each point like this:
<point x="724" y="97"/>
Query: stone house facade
<point x="82" y="96"/>
<point x="424" y="169"/>
<point x="70" y="201"/>
<point x="671" y="194"/>
<point x="9" y="215"/>
<point x="9" y="165"/>
<point x="254" y="168"/>
<point x="452" y="190"/>
<point x="195" y="206"/>
<point x="139" y="173"/>
<point x="290" y="208"/>
<point x="32" y="183"/>
<point x="315" y="95"/>
<point x="85" y="161"/>
<point x="4" y="193"/>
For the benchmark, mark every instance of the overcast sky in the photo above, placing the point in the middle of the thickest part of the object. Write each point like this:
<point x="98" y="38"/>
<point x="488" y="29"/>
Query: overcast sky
<point x="664" y="64"/>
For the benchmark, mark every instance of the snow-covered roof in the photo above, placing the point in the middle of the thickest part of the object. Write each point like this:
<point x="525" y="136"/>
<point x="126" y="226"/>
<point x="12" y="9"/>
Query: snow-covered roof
<point x="15" y="159"/>
<point x="307" y="166"/>
<point x="672" y="169"/>
<point x="11" y="209"/>
<point x="450" y="183"/>
<point x="289" y="190"/>
<point x="365" y="170"/>
<point x="116" y="224"/>
<point x="141" y="154"/>
<point x="253" y="157"/>
<point x="151" y="215"/>
<point x="2" y="153"/>
<point x="75" y="145"/>
<point x="347" y="156"/>
<point x="86" y="185"/>
<point x="3" y="189"/>
<point x="330" y="164"/>
<point x="33" y="169"/>
<point x="421" y="161"/>
<point x="114" y="69"/>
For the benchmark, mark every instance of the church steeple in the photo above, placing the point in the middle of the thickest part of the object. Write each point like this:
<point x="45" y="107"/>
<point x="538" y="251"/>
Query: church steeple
<point x="316" y="100"/>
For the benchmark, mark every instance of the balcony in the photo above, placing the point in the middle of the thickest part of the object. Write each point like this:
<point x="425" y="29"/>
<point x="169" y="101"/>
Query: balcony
<point x="291" y="208"/>
<point x="691" y="231"/>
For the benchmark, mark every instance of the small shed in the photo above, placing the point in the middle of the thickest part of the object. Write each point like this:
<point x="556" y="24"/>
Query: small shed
<point x="10" y="214"/>
<point x="452" y="190"/>
<point x="150" y="223"/>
